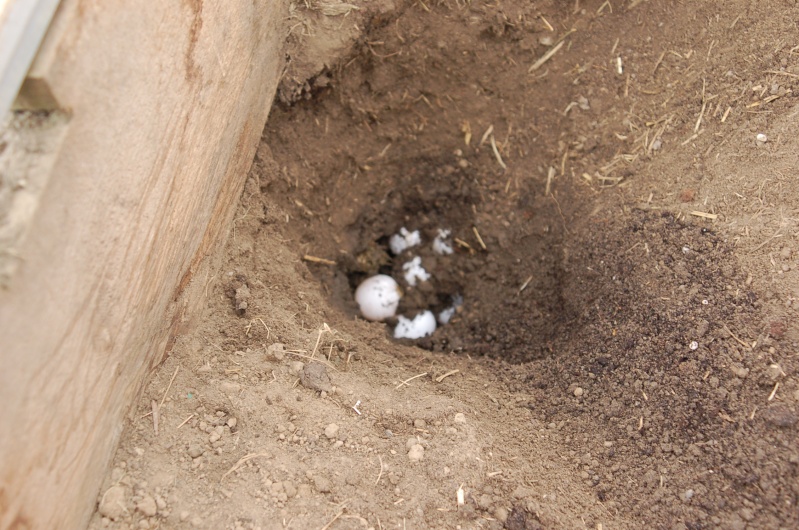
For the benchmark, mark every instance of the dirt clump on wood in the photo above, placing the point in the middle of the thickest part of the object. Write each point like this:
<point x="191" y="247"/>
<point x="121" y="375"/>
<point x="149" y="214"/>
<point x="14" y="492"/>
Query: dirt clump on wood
<point x="624" y="244"/>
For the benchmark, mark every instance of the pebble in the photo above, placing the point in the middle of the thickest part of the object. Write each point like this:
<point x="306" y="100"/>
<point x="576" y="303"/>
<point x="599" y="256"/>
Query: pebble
<point x="416" y="453"/>
<point x="322" y="484"/>
<point x="112" y="505"/>
<point x="214" y="437"/>
<point x="147" y="506"/>
<point x="331" y="431"/>
<point x="276" y="351"/>
<point x="314" y="376"/>
<point x="420" y="424"/>
<point x="410" y="442"/>
<point x="460" y="417"/>
<point x="229" y="387"/>
<point x="195" y="450"/>
<point x="578" y="392"/>
<point x="295" y="367"/>
<point x="232" y="423"/>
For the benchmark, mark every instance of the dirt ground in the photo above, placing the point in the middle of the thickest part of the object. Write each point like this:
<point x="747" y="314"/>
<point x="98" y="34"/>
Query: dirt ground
<point x="625" y="245"/>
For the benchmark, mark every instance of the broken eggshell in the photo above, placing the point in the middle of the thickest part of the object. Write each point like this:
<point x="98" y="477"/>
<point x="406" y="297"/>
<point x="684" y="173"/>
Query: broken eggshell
<point x="378" y="297"/>
<point x="422" y="325"/>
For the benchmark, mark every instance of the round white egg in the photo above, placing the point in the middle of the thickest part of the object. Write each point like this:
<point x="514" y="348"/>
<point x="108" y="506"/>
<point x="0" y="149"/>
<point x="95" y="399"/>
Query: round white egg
<point x="422" y="325"/>
<point x="378" y="297"/>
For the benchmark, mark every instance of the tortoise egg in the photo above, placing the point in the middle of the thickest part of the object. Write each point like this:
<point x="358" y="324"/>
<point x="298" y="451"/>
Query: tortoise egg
<point x="378" y="297"/>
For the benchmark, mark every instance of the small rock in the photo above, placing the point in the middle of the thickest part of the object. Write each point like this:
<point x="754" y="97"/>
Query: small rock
<point x="214" y="437"/>
<point x="416" y="453"/>
<point x="314" y="376"/>
<point x="289" y="488"/>
<point x="578" y="392"/>
<point x="501" y="514"/>
<point x="419" y="424"/>
<point x="242" y="299"/>
<point x="740" y="371"/>
<point x="295" y="367"/>
<point x="112" y="505"/>
<point x="780" y="416"/>
<point x="761" y="139"/>
<point x="195" y="450"/>
<point x="147" y="506"/>
<point x="276" y="351"/>
<point x="229" y="387"/>
<point x="460" y="417"/>
<point x="774" y="372"/>
<point x="160" y="502"/>
<point x="304" y="490"/>
<point x="232" y="422"/>
<point x="322" y="484"/>
<point x="687" y="495"/>
<point x="410" y="442"/>
<point x="331" y="431"/>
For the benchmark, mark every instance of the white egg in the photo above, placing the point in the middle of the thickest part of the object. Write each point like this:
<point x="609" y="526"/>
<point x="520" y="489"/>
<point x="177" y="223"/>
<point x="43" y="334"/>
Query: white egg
<point x="414" y="271"/>
<point x="422" y="325"/>
<point x="378" y="297"/>
<point x="404" y="240"/>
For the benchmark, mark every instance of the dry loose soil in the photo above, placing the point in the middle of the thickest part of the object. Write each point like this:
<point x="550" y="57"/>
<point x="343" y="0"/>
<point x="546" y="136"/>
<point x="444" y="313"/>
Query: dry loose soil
<point x="621" y="183"/>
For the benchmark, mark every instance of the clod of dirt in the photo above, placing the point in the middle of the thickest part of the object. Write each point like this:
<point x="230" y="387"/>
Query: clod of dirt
<point x="112" y="505"/>
<point x="416" y="453"/>
<point x="195" y="451"/>
<point x="276" y="351"/>
<point x="781" y="416"/>
<point x="242" y="299"/>
<point x="147" y="506"/>
<point x="322" y="484"/>
<point x="314" y="376"/>
<point x="331" y="431"/>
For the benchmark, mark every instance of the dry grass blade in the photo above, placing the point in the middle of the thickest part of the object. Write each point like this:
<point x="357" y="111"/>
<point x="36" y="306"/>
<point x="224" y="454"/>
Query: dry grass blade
<point x="314" y="259"/>
<point x="544" y="58"/>
<point x="241" y="462"/>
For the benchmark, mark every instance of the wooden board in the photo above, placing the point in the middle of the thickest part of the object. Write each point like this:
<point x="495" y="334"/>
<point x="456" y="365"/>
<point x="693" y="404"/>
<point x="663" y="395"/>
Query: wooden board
<point x="166" y="104"/>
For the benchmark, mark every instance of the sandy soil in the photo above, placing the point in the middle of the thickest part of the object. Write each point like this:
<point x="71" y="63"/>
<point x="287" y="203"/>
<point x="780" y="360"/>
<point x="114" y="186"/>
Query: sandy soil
<point x="624" y="242"/>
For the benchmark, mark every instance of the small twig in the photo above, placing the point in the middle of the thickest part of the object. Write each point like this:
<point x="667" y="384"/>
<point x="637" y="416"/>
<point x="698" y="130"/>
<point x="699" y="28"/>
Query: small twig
<point x="742" y="343"/>
<point x="339" y="514"/>
<point x="442" y="377"/>
<point x="544" y="58"/>
<point x="184" y="422"/>
<point x="311" y="359"/>
<point x="241" y="461"/>
<point x="774" y="392"/>
<point x="524" y="285"/>
<point x="169" y="385"/>
<point x="704" y="215"/>
<point x="409" y="380"/>
<point x="381" y="470"/>
<point x="479" y="239"/>
<point x="496" y="153"/>
<point x="314" y="259"/>
<point x="155" y="416"/>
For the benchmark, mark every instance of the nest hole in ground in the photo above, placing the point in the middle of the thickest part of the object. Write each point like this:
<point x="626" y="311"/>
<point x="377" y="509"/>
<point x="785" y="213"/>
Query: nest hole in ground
<point x="419" y="140"/>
